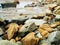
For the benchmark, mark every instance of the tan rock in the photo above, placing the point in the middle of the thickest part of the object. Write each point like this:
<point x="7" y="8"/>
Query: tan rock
<point x="44" y="44"/>
<point x="17" y="38"/>
<point x="55" y="24"/>
<point x="58" y="12"/>
<point x="43" y="32"/>
<point x="20" y="26"/>
<point x="30" y="39"/>
<point x="12" y="29"/>
<point x="46" y="27"/>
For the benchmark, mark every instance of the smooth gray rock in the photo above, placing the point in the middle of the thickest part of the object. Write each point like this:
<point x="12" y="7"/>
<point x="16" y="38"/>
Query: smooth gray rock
<point x="54" y="36"/>
<point x="28" y="27"/>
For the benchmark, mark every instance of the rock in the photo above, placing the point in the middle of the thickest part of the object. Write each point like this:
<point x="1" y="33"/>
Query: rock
<point x="1" y="31"/>
<point x="1" y="38"/>
<point x="19" y="21"/>
<point x="20" y="26"/>
<point x="44" y="33"/>
<point x="58" y="1"/>
<point x="55" y="29"/>
<point x="30" y="39"/>
<point x="28" y="27"/>
<point x="44" y="42"/>
<point x="36" y="21"/>
<point x="55" y="24"/>
<point x="13" y="40"/>
<point x="46" y="27"/>
<point x="54" y="36"/>
<point x="17" y="38"/>
<point x="19" y="43"/>
<point x="12" y="29"/>
<point x="45" y="30"/>
<point x="25" y="29"/>
<point x="22" y="34"/>
<point x="1" y="20"/>
<point x="5" y="36"/>
<point x="57" y="10"/>
<point x="6" y="42"/>
<point x="57" y="17"/>
<point x="37" y="34"/>
<point x="58" y="27"/>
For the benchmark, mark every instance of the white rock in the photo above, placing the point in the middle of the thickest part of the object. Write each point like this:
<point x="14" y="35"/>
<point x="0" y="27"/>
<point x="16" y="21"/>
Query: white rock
<point x="57" y="17"/>
<point x="36" y="21"/>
